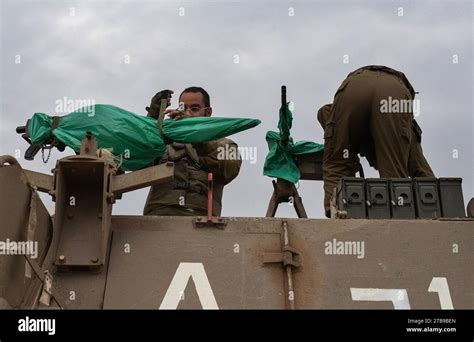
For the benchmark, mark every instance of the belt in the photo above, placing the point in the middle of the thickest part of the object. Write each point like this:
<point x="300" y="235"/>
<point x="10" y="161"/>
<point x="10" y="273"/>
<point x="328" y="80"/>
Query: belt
<point x="184" y="185"/>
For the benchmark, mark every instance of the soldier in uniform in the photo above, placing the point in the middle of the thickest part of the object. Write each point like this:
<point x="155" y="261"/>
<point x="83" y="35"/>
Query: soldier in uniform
<point x="187" y="194"/>
<point x="357" y="122"/>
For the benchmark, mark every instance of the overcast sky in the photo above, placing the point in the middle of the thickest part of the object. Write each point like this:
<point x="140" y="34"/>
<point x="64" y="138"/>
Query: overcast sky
<point x="123" y="52"/>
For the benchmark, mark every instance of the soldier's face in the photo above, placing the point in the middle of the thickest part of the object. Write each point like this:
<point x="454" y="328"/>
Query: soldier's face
<point x="193" y="105"/>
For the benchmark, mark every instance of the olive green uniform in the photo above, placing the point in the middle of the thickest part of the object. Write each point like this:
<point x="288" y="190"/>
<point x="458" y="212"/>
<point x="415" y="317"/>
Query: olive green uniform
<point x="187" y="194"/>
<point x="355" y="123"/>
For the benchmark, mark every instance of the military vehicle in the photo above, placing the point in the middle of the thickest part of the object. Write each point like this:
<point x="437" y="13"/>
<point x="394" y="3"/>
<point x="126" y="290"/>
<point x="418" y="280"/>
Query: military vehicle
<point x="374" y="253"/>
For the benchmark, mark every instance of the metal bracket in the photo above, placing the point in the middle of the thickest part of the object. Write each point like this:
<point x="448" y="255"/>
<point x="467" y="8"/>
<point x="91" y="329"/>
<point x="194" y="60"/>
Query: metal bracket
<point x="40" y="181"/>
<point x="283" y="191"/>
<point x="82" y="231"/>
<point x="287" y="258"/>
<point x="213" y="222"/>
<point x="141" y="178"/>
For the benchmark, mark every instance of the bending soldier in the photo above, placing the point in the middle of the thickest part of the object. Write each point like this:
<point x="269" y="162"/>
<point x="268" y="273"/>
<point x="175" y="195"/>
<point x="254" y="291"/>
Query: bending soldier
<point x="372" y="114"/>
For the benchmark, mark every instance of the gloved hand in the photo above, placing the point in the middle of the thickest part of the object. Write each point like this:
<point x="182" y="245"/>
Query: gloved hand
<point x="154" y="108"/>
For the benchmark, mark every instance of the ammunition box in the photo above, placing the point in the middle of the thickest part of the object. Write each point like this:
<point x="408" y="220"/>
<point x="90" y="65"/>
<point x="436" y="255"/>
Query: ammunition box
<point x="451" y="198"/>
<point x="401" y="198"/>
<point x="427" y="197"/>
<point x="350" y="194"/>
<point x="377" y="198"/>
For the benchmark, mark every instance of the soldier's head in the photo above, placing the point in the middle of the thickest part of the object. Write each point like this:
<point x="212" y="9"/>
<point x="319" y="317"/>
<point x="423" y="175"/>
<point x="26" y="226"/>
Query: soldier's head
<point x="195" y="101"/>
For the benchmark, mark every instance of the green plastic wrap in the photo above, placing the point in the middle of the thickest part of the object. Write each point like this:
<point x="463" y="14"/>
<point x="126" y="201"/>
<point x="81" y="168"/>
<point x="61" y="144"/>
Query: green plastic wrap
<point x="280" y="160"/>
<point x="134" y="137"/>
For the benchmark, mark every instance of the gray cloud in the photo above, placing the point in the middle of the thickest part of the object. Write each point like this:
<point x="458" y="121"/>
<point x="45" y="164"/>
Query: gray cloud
<point x="82" y="57"/>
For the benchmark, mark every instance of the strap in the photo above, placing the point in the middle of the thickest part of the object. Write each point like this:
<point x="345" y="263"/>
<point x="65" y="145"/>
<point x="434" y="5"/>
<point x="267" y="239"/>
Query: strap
<point x="416" y="130"/>
<point x="54" y="123"/>
<point x="161" y="115"/>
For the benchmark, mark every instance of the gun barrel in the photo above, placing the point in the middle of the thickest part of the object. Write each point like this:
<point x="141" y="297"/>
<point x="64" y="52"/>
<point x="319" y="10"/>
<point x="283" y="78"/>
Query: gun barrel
<point x="283" y="97"/>
<point x="21" y="129"/>
<point x="283" y="116"/>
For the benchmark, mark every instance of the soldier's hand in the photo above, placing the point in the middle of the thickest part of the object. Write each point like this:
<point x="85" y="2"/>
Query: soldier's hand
<point x="154" y="108"/>
<point x="176" y="114"/>
<point x="161" y="95"/>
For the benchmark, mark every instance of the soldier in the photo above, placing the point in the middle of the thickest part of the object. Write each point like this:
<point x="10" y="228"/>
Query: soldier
<point x="372" y="114"/>
<point x="187" y="194"/>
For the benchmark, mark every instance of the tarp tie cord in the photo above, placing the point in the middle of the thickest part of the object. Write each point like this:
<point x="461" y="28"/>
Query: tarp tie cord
<point x="54" y="124"/>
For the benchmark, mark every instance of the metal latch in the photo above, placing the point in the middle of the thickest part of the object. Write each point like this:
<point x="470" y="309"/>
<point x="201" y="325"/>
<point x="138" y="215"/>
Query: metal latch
<point x="47" y="280"/>
<point x="287" y="257"/>
<point x="32" y="222"/>
<point x="46" y="292"/>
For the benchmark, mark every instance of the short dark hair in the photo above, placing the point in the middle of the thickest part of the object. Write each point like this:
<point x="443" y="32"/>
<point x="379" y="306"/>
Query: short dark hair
<point x="207" y="100"/>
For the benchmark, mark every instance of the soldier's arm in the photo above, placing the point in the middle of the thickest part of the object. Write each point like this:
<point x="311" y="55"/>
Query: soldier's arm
<point x="213" y="158"/>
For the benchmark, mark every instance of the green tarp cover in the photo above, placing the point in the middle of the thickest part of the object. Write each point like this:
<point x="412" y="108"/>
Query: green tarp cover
<point x="136" y="138"/>
<point x="280" y="160"/>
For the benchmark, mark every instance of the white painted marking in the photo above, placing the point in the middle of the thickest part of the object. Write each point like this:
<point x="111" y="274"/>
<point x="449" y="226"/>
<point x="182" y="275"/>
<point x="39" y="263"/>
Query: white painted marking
<point x="398" y="297"/>
<point x="440" y="285"/>
<point x="180" y="280"/>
